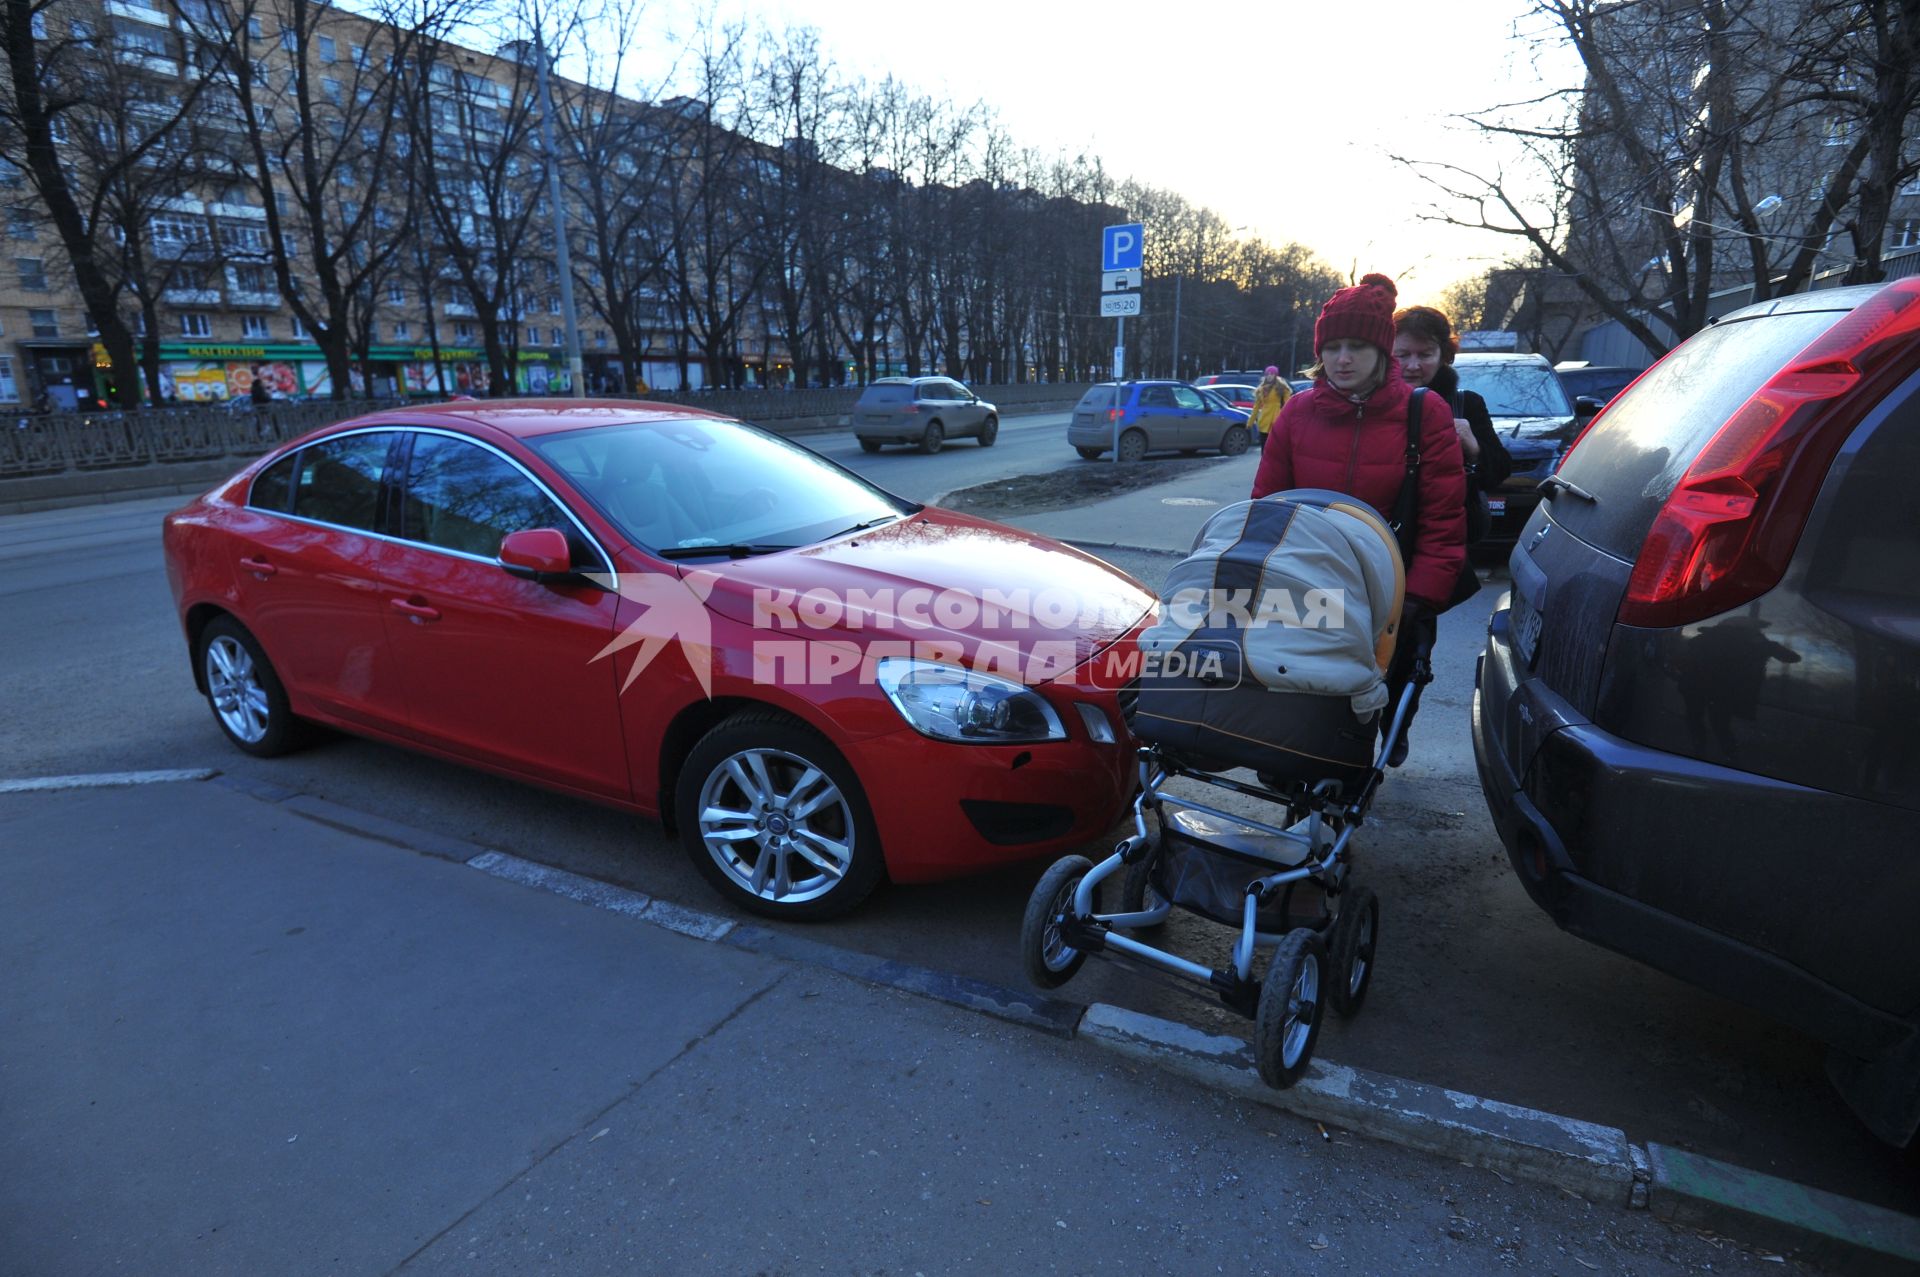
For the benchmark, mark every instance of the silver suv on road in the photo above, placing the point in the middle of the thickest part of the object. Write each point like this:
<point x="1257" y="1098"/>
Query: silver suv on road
<point x="923" y="411"/>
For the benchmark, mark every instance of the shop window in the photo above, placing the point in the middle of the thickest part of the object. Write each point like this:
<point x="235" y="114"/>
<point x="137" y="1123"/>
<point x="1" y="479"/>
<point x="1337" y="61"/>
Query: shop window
<point x="33" y="273"/>
<point x="45" y="323"/>
<point x="194" y="323"/>
<point x="9" y="388"/>
<point x="254" y="326"/>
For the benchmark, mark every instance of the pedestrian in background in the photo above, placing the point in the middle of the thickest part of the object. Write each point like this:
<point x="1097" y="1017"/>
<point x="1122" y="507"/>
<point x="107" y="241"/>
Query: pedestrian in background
<point x="1424" y="345"/>
<point x="1348" y="433"/>
<point x="1269" y="399"/>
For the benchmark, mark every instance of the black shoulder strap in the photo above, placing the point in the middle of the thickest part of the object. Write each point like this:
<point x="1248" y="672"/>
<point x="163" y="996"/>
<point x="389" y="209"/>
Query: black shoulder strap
<point x="1403" y="505"/>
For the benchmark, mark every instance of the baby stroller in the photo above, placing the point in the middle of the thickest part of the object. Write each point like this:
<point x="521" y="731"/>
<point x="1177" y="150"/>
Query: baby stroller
<point x="1268" y="654"/>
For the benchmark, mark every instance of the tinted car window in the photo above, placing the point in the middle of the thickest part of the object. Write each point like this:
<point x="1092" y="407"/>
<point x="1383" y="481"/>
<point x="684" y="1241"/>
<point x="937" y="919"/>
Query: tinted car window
<point x="1188" y="397"/>
<point x="885" y="395"/>
<point x="274" y="485"/>
<point x="930" y="390"/>
<point x="1156" y="397"/>
<point x="463" y="497"/>
<point x="339" y="480"/>
<point x="1516" y="390"/>
<point x="1636" y="453"/>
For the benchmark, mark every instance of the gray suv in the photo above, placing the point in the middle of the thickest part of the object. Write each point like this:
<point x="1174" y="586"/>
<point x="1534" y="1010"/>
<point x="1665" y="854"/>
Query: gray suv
<point x="924" y="412"/>
<point x="1697" y="718"/>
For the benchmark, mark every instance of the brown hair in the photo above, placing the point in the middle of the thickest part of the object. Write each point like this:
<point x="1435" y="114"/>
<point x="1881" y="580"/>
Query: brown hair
<point x="1430" y="325"/>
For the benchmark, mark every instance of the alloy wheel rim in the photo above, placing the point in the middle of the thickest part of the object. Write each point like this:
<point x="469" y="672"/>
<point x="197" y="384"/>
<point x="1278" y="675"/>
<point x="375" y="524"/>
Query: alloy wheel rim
<point x="233" y="684"/>
<point x="1302" y="999"/>
<point x="776" y="825"/>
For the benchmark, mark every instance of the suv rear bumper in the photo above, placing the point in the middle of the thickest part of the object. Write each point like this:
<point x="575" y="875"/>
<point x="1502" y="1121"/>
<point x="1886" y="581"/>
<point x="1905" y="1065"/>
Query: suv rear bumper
<point x="1546" y="825"/>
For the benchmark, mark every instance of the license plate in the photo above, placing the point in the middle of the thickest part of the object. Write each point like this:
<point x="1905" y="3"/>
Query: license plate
<point x="1526" y="629"/>
<point x="1496" y="505"/>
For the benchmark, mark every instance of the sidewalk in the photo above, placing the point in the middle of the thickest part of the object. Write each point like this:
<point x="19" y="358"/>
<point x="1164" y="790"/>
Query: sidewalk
<point x="241" y="1040"/>
<point x="1164" y="517"/>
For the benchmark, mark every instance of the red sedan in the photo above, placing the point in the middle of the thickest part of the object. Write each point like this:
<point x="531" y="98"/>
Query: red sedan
<point x="818" y="683"/>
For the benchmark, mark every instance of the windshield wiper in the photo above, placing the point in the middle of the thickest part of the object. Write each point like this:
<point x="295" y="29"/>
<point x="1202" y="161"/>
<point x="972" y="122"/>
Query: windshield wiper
<point x="737" y="551"/>
<point x="1554" y="482"/>
<point x="870" y="523"/>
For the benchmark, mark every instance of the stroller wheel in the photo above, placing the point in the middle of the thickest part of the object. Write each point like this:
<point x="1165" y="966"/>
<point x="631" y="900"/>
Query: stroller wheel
<point x="1050" y="960"/>
<point x="1288" y="1020"/>
<point x="1350" y="945"/>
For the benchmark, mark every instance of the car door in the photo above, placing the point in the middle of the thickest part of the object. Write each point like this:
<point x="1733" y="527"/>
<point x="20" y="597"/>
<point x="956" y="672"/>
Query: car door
<point x="1157" y="416"/>
<point x="308" y="556"/>
<point x="501" y="670"/>
<point x="1194" y="425"/>
<point x="966" y="411"/>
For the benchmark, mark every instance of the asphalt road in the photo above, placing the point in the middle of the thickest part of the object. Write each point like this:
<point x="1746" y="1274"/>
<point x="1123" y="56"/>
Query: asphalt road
<point x="1475" y="988"/>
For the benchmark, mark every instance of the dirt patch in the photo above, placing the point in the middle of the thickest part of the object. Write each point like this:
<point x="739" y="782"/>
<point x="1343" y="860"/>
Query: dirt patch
<point x="1071" y="485"/>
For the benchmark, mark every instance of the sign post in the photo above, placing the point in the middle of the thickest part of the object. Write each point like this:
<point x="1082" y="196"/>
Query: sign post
<point x="1122" y="261"/>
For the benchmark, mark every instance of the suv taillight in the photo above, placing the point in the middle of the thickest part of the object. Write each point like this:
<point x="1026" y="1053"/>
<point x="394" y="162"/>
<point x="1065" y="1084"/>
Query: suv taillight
<point x="1727" y="531"/>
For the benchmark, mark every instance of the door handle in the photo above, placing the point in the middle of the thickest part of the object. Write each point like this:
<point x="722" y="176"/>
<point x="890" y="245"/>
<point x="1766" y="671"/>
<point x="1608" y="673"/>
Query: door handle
<point x="259" y="566"/>
<point x="420" y="612"/>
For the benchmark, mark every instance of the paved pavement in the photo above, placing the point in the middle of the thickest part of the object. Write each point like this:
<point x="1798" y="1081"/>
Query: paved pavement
<point x="241" y="1040"/>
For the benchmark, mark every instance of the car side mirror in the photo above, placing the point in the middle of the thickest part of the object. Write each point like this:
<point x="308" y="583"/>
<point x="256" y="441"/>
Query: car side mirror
<point x="1586" y="407"/>
<point x="537" y="554"/>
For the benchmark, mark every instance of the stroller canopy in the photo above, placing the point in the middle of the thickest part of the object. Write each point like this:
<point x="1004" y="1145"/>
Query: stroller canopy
<point x="1308" y="584"/>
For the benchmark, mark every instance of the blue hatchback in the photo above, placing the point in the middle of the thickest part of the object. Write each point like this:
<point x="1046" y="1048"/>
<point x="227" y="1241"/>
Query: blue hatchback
<point x="1140" y="417"/>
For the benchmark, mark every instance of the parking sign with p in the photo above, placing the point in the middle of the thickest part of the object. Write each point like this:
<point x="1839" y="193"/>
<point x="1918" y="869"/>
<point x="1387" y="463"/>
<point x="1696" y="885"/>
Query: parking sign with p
<point x="1123" y="247"/>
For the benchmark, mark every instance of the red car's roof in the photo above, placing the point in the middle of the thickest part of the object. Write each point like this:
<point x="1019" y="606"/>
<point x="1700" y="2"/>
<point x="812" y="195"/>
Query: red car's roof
<point x="524" y="418"/>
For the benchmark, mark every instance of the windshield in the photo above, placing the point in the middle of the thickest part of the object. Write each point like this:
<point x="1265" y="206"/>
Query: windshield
<point x="1516" y="390"/>
<point x="686" y="484"/>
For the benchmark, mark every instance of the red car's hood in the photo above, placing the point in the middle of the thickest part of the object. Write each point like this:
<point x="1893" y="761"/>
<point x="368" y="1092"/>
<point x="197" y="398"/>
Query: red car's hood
<point x="990" y="593"/>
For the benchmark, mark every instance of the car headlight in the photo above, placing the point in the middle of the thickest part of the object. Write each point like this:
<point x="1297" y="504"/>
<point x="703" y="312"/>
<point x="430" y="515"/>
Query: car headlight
<point x="950" y="703"/>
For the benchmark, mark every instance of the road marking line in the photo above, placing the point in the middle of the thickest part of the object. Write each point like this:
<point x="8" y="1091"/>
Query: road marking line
<point x="101" y="780"/>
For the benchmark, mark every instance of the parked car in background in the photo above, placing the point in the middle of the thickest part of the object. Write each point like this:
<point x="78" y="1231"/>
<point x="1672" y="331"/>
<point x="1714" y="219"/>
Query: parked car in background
<point x="1246" y="377"/>
<point x="1154" y="416"/>
<point x="1301" y="383"/>
<point x="1593" y="386"/>
<point x="1535" y="421"/>
<point x="922" y="411"/>
<point x="1697" y="718"/>
<point x="1234" y="395"/>
<point x="501" y="584"/>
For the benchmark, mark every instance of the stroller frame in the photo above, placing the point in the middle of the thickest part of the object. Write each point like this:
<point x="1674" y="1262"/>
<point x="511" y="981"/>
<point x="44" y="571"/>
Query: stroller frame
<point x="1063" y="925"/>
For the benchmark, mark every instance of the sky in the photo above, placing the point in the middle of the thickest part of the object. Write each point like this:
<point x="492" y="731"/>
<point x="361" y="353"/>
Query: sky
<point x="1278" y="116"/>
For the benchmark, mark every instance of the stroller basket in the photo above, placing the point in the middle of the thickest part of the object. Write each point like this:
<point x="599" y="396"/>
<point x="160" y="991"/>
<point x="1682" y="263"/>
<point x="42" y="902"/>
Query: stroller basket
<point x="1210" y="876"/>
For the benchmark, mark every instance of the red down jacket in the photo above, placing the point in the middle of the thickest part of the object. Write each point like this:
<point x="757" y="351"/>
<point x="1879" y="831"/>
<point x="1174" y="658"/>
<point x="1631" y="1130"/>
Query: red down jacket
<point x="1322" y="439"/>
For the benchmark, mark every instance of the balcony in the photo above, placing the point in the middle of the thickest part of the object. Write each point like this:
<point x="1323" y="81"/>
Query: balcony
<point x="247" y="211"/>
<point x="237" y="300"/>
<point x="191" y="297"/>
<point x="150" y="61"/>
<point x="458" y="310"/>
<point x="139" y="13"/>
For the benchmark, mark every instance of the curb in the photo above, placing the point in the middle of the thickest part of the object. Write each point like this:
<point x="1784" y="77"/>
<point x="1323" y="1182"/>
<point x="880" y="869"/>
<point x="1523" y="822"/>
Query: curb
<point x="1542" y="1148"/>
<point x="1596" y="1162"/>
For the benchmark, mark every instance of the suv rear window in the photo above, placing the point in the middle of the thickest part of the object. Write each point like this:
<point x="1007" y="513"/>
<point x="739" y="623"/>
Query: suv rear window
<point x="1516" y="390"/>
<point x="1638" y="451"/>
<point x="885" y="394"/>
<point x="1098" y="397"/>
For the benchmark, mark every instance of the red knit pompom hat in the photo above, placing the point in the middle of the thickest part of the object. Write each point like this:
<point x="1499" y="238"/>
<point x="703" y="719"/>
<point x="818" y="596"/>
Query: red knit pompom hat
<point x="1364" y="311"/>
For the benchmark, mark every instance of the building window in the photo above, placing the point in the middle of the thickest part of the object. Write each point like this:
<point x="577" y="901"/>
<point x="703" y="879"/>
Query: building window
<point x="254" y="326"/>
<point x="396" y="295"/>
<point x="553" y="305"/>
<point x="252" y="279"/>
<point x="599" y="336"/>
<point x="533" y="335"/>
<point x="1837" y="131"/>
<point x="195" y="323"/>
<point x="1904" y="233"/>
<point x="335" y="91"/>
<point x="9" y="388"/>
<point x="402" y="330"/>
<point x="463" y="331"/>
<point x="20" y="222"/>
<point x="33" y="273"/>
<point x="45" y="323"/>
<point x="254" y="30"/>
<point x="329" y="51"/>
<point x="289" y="39"/>
<point x="177" y="232"/>
<point x="359" y="55"/>
<point x="299" y="329"/>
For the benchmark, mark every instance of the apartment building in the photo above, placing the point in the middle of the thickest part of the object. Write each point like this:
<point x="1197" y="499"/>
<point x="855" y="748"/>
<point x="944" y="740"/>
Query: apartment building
<point x="207" y="299"/>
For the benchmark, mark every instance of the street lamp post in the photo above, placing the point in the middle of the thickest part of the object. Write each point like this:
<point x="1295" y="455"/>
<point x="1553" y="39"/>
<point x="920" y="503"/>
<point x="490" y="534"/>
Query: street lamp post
<point x="576" y="382"/>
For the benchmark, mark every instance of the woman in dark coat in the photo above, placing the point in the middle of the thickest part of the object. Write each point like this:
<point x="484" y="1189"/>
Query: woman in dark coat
<point x="1424" y="347"/>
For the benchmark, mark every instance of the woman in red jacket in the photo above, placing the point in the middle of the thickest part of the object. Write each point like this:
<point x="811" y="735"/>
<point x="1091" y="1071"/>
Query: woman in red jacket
<point x="1348" y="433"/>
